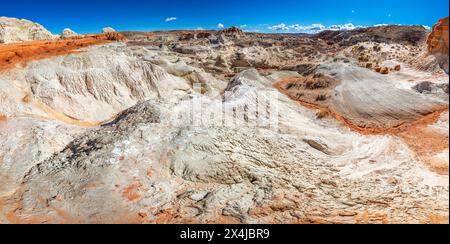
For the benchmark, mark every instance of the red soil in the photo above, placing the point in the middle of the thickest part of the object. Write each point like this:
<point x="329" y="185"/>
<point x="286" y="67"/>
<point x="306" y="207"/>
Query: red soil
<point x="12" y="55"/>
<point x="131" y="192"/>
<point x="427" y="142"/>
<point x="438" y="40"/>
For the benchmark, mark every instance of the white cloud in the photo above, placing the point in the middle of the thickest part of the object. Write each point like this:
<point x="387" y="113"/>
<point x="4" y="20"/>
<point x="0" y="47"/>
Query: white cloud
<point x="200" y="28"/>
<point x="348" y="26"/>
<point x="308" y="28"/>
<point x="378" y="25"/>
<point x="280" y="27"/>
<point x="314" y="28"/>
<point x="426" y="27"/>
<point x="170" y="19"/>
<point x="220" y="26"/>
<point x="242" y="26"/>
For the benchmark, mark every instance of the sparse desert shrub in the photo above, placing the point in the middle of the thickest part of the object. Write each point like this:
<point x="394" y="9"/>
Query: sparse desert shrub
<point x="321" y="97"/>
<point x="363" y="58"/>
<point x="377" y="48"/>
<point x="369" y="65"/>
<point x="323" y="113"/>
<point x="398" y="67"/>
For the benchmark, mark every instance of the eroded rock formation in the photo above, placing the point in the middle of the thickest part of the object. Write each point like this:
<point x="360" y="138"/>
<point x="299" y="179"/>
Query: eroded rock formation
<point x="14" y="30"/>
<point x="68" y="33"/>
<point x="438" y="43"/>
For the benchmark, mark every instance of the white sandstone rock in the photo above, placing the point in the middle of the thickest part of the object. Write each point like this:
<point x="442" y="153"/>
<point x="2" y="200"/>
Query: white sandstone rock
<point x="14" y="30"/>
<point x="68" y="33"/>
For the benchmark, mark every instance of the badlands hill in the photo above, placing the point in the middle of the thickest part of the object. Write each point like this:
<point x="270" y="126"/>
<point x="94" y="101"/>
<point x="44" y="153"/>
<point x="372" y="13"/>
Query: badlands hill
<point x="14" y="30"/>
<point x="225" y="127"/>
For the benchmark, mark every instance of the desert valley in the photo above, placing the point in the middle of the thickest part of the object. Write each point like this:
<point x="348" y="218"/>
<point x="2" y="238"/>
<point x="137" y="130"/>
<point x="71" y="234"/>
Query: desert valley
<point x="226" y="126"/>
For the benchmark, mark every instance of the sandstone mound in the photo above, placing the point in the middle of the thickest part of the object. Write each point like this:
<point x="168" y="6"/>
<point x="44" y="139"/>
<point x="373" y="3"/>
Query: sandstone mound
<point x="370" y="102"/>
<point x="438" y="43"/>
<point x="19" y="30"/>
<point x="68" y="33"/>
<point x="107" y="30"/>
<point x="315" y="90"/>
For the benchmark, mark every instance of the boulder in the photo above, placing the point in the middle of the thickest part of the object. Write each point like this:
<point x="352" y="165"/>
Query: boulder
<point x="68" y="33"/>
<point x="384" y="71"/>
<point x="14" y="30"/>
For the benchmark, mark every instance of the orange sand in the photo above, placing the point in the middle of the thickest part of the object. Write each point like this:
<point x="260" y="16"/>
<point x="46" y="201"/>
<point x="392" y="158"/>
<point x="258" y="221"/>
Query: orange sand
<point x="12" y="55"/>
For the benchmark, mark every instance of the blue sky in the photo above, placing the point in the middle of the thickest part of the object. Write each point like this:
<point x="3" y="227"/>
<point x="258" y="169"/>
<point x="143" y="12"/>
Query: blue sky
<point x="90" y="16"/>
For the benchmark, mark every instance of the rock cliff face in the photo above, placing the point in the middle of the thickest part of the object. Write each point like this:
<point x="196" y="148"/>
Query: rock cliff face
<point x="438" y="43"/>
<point x="18" y="30"/>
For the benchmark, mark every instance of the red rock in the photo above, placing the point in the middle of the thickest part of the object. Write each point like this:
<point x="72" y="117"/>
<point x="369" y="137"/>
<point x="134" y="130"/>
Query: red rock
<point x="438" y="43"/>
<point x="232" y="30"/>
<point x="384" y="70"/>
<point x="114" y="36"/>
<point x="397" y="67"/>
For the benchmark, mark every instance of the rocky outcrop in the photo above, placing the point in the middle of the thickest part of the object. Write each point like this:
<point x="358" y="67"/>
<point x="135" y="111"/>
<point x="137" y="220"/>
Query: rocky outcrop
<point x="438" y="43"/>
<point x="112" y="35"/>
<point x="107" y="30"/>
<point x="232" y="30"/>
<point x="68" y="33"/>
<point x="20" y="30"/>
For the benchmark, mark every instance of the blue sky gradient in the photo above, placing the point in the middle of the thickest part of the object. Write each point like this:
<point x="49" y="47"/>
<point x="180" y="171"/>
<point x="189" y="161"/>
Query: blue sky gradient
<point x="90" y="16"/>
